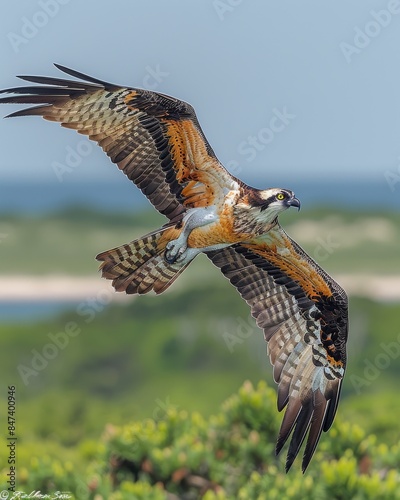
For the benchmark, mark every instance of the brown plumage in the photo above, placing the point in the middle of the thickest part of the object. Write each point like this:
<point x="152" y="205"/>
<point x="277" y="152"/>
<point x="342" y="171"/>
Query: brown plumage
<point x="157" y="142"/>
<point x="297" y="305"/>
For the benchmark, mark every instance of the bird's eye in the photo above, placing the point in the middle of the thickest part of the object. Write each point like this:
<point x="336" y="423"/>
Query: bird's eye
<point x="280" y="196"/>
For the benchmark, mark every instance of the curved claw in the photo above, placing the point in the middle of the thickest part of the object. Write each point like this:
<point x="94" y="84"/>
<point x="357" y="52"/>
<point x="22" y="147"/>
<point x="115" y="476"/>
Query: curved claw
<point x="168" y="258"/>
<point x="174" y="251"/>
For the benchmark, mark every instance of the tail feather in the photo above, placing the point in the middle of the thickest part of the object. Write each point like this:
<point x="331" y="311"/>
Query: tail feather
<point x="139" y="266"/>
<point x="155" y="275"/>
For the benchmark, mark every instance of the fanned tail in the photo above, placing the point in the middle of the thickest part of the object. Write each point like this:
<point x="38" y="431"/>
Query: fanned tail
<point x="139" y="266"/>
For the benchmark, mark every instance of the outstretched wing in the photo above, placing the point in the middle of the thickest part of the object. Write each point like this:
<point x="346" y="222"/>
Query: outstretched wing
<point x="303" y="314"/>
<point x="154" y="139"/>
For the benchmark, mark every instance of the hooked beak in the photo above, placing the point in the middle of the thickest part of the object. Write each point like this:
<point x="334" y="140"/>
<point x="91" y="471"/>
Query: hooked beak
<point x="294" y="202"/>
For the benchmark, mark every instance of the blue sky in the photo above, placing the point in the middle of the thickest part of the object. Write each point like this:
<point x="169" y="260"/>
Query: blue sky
<point x="282" y="89"/>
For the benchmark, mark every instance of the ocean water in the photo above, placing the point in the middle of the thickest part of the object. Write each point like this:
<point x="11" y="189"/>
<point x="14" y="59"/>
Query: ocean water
<point x="24" y="311"/>
<point x="36" y="198"/>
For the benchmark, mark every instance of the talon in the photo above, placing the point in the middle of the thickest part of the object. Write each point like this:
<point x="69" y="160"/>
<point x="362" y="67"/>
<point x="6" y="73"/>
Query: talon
<point x="181" y="255"/>
<point x="174" y="251"/>
<point x="170" y="259"/>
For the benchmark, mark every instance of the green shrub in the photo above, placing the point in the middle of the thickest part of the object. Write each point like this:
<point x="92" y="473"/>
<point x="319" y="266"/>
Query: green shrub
<point x="230" y="455"/>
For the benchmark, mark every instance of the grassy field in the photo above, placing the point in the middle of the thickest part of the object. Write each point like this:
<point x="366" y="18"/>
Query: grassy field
<point x="68" y="242"/>
<point x="139" y="360"/>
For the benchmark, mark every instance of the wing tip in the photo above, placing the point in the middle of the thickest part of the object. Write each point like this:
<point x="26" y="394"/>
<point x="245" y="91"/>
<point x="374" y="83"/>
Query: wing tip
<point x="87" y="78"/>
<point x="34" y="110"/>
<point x="307" y="426"/>
<point x="291" y="457"/>
<point x="306" y="462"/>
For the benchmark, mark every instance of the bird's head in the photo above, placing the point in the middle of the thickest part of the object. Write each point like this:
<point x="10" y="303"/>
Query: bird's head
<point x="277" y="199"/>
<point x="273" y="201"/>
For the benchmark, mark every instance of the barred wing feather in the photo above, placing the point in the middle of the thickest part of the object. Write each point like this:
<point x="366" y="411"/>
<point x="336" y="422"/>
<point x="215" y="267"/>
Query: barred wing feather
<point x="155" y="139"/>
<point x="303" y="314"/>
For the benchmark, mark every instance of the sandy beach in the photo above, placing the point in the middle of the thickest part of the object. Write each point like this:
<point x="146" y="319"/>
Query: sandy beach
<point x="72" y="288"/>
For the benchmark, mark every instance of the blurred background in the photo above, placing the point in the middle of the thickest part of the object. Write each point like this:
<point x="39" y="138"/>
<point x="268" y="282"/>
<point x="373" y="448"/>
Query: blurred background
<point x="81" y="356"/>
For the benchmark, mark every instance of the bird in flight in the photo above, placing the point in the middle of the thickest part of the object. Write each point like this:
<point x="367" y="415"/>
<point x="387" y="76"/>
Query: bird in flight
<point x="156" y="140"/>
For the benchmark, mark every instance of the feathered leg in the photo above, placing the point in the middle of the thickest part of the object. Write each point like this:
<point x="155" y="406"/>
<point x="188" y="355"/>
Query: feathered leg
<point x="195" y="217"/>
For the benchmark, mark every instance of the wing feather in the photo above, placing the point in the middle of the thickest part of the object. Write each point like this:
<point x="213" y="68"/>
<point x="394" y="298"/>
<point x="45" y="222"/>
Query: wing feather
<point x="156" y="140"/>
<point x="303" y="314"/>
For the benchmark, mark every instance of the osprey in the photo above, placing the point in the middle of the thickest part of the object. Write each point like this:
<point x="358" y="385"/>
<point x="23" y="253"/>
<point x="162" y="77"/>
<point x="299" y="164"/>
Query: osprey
<point x="157" y="142"/>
